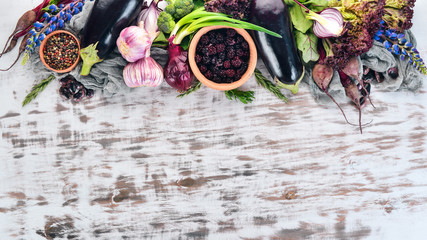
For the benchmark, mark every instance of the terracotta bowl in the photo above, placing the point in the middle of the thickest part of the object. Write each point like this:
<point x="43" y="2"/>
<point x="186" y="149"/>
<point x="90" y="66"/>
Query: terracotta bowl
<point x="222" y="86"/>
<point x="43" y="43"/>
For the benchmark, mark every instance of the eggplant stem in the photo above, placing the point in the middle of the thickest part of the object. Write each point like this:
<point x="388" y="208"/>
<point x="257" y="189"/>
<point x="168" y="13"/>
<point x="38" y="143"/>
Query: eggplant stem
<point x="294" y="88"/>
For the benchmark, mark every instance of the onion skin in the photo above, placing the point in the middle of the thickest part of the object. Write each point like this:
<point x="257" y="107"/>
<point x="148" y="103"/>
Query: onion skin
<point x="328" y="23"/>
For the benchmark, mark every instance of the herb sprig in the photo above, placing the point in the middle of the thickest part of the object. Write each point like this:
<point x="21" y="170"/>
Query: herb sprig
<point x="191" y="90"/>
<point x="267" y="84"/>
<point x="37" y="89"/>
<point x="244" y="96"/>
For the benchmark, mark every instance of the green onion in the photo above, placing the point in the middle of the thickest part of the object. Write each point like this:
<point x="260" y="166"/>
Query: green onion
<point x="200" y="18"/>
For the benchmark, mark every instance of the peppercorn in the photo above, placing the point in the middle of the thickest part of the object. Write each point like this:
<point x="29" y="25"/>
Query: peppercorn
<point x="61" y="51"/>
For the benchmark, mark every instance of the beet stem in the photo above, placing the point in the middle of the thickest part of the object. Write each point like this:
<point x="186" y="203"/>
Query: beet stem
<point x="360" y="120"/>
<point x="13" y="64"/>
<point x="342" y="111"/>
<point x="366" y="91"/>
<point x="7" y="42"/>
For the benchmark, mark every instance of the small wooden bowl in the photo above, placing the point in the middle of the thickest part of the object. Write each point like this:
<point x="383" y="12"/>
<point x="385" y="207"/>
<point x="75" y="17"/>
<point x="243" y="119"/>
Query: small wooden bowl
<point x="222" y="86"/>
<point x="43" y="43"/>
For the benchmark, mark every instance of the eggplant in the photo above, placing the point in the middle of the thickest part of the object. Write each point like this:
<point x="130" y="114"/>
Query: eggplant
<point x="280" y="55"/>
<point x="105" y="22"/>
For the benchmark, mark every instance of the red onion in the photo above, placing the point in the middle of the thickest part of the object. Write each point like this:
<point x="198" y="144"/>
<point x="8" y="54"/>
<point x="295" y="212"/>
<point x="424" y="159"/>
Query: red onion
<point x="328" y="23"/>
<point x="177" y="71"/>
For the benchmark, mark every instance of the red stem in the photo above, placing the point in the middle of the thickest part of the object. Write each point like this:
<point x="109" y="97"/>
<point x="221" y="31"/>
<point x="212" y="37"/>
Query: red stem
<point x="308" y="10"/>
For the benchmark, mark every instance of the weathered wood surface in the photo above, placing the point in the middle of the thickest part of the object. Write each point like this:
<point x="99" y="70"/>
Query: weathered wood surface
<point x="150" y="166"/>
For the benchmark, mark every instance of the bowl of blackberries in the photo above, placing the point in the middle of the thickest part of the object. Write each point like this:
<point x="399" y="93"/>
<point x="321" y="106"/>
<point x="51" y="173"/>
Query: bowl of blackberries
<point x="222" y="57"/>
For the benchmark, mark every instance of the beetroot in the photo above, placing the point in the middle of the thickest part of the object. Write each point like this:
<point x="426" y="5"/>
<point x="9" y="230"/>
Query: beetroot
<point x="351" y="69"/>
<point x="352" y="92"/>
<point x="177" y="71"/>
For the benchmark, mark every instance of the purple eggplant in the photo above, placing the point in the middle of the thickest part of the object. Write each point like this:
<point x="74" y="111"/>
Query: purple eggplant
<point x="106" y="20"/>
<point x="280" y="55"/>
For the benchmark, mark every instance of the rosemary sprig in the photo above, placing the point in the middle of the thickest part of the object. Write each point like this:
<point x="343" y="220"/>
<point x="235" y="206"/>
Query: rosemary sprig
<point x="37" y="89"/>
<point x="267" y="84"/>
<point x="192" y="89"/>
<point x="244" y="96"/>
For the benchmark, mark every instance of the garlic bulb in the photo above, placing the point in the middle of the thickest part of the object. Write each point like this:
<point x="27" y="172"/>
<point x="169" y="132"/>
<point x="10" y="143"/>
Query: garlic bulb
<point x="149" y="16"/>
<point x="134" y="42"/>
<point x="146" y="72"/>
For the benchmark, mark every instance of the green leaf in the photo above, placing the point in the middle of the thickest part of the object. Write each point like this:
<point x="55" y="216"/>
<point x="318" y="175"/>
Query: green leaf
<point x="25" y="58"/>
<point x="299" y="21"/>
<point x="316" y="5"/>
<point x="307" y="44"/>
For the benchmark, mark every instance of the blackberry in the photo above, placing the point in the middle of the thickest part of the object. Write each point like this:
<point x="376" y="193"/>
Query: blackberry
<point x="214" y="60"/>
<point x="204" y="39"/>
<point x="231" y="54"/>
<point x="239" y="52"/>
<point x="241" y="71"/>
<point x="205" y="50"/>
<point x="245" y="45"/>
<point x="203" y="69"/>
<point x="211" y="50"/>
<point x="240" y="39"/>
<point x="198" y="58"/>
<point x="205" y="60"/>
<point x="208" y="74"/>
<point x="236" y="62"/>
<point x="219" y="37"/>
<point x="230" y="41"/>
<point x="230" y="32"/>
<point x="220" y="48"/>
<point x="230" y="73"/>
<point x="221" y="56"/>
<point x="227" y="64"/>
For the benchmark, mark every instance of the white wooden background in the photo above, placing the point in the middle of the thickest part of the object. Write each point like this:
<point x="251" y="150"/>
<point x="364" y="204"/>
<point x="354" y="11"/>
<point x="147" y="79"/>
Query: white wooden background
<point x="150" y="166"/>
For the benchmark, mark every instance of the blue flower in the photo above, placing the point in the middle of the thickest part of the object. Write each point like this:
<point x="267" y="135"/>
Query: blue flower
<point x="53" y="8"/>
<point x="387" y="45"/>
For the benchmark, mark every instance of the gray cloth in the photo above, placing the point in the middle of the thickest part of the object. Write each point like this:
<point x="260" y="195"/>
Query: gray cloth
<point x="379" y="59"/>
<point x="106" y="76"/>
